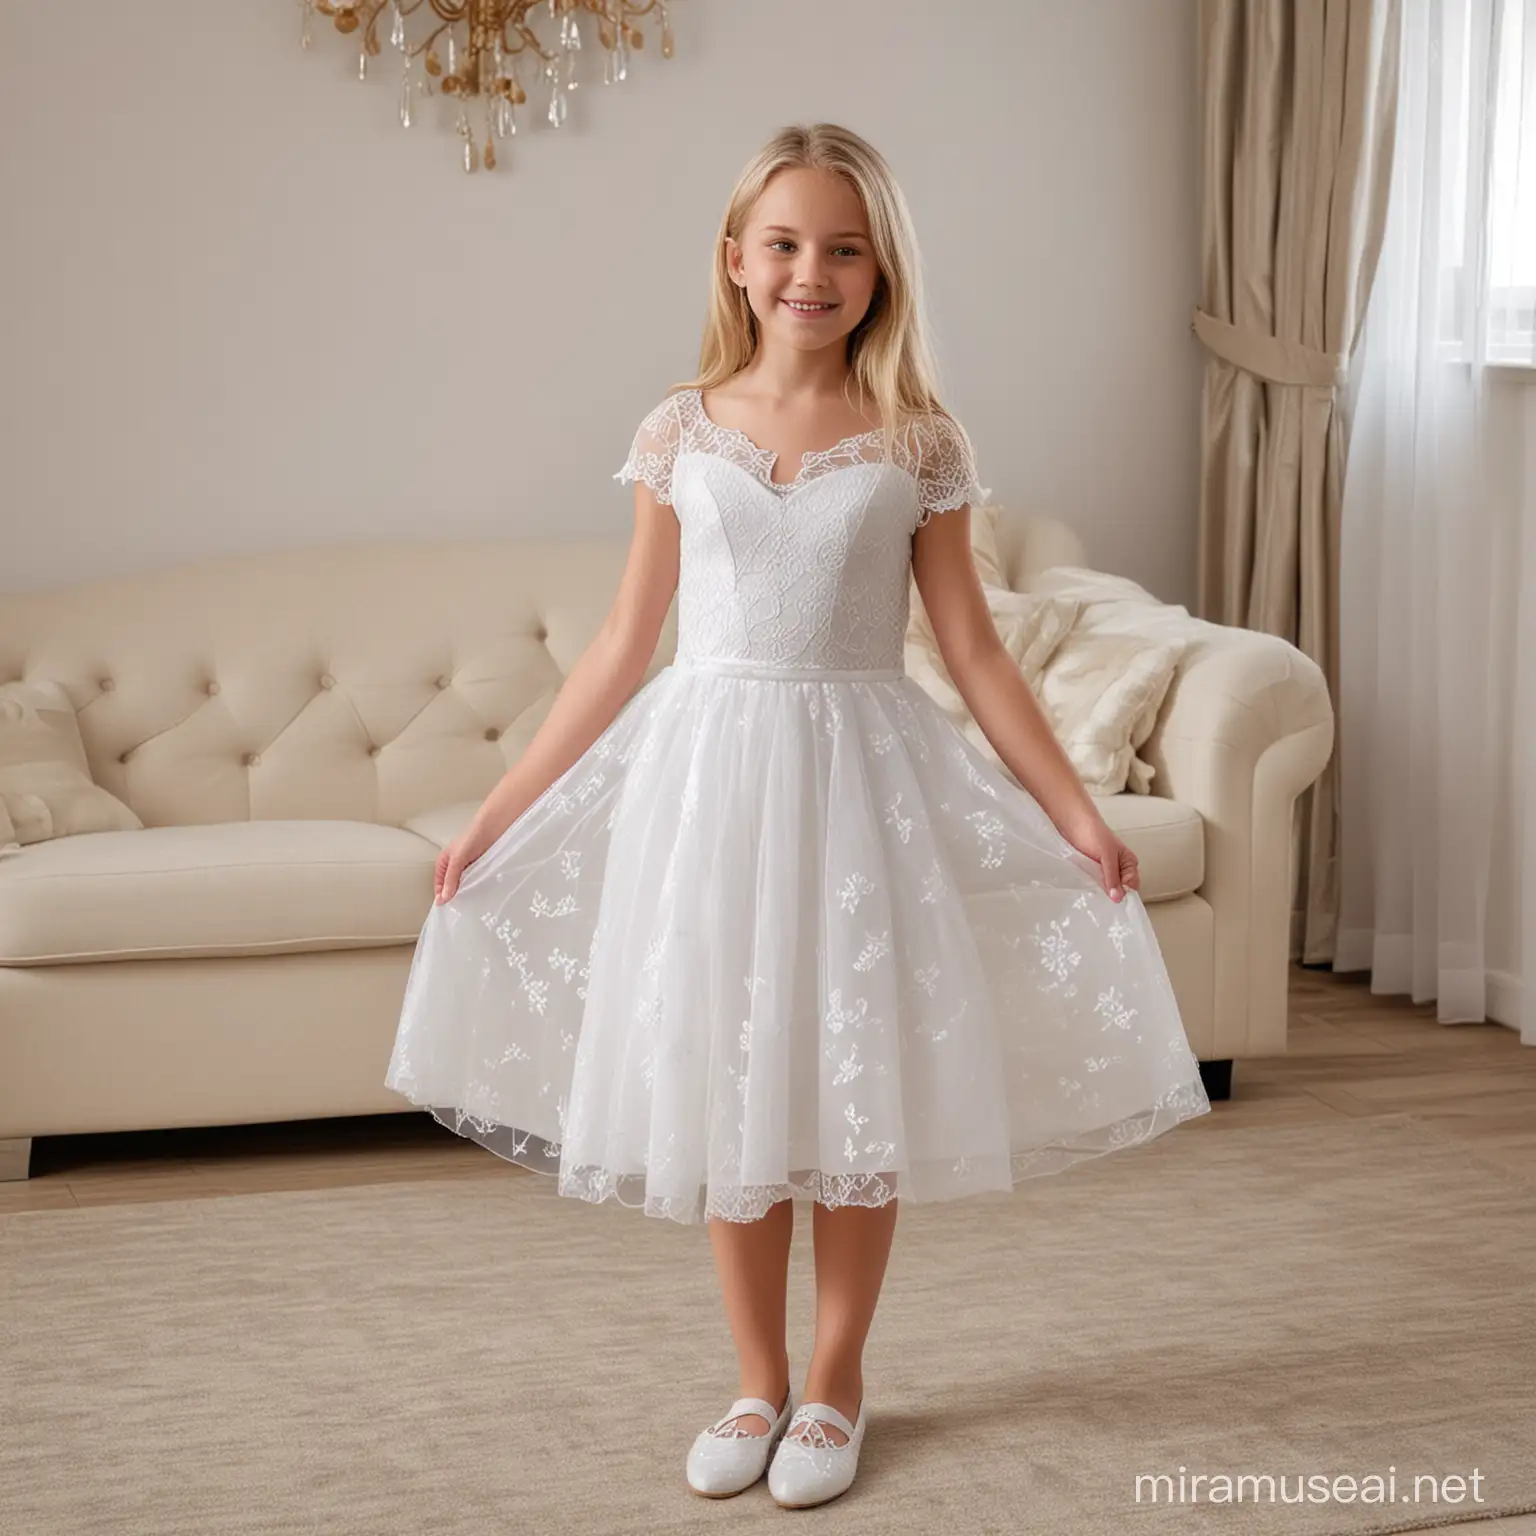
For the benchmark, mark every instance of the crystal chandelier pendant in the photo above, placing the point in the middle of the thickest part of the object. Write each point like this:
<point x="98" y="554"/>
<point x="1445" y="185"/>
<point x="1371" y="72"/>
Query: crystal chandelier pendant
<point x="557" y="103"/>
<point x="467" y="134"/>
<point x="570" y="41"/>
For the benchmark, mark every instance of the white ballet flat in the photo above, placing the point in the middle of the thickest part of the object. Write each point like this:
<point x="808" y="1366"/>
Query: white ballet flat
<point x="815" y="1469"/>
<point x="725" y="1458"/>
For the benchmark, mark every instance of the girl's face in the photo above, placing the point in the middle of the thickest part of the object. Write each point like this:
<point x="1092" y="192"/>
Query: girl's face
<point x="806" y="243"/>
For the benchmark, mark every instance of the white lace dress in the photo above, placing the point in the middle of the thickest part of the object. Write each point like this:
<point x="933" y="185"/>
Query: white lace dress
<point x="782" y="931"/>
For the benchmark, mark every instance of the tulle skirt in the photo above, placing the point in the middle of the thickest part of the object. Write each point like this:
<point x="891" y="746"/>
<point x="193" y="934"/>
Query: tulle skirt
<point x="782" y="933"/>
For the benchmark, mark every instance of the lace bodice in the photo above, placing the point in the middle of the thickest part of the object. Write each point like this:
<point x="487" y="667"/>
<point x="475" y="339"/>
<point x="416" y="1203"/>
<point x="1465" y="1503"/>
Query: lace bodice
<point x="810" y="572"/>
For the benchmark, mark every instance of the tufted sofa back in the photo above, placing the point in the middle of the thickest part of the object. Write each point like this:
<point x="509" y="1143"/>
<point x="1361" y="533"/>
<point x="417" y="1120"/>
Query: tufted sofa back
<point x="363" y="682"/>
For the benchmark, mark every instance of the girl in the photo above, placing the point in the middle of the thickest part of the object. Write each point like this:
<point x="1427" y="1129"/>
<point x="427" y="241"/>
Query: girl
<point x="769" y="926"/>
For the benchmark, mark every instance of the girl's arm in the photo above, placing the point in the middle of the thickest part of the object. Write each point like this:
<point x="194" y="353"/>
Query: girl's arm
<point x="603" y="677"/>
<point x="1000" y="700"/>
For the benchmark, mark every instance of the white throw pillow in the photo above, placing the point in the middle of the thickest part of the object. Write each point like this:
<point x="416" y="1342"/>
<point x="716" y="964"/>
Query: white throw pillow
<point x="1031" y="627"/>
<point x="1116" y="605"/>
<point x="1100" y="687"/>
<point x="1102" y="692"/>
<point x="46" y="789"/>
<point x="1117" y="593"/>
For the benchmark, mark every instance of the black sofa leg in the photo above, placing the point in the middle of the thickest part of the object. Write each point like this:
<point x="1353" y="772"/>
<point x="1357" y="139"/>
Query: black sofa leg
<point x="1217" y="1077"/>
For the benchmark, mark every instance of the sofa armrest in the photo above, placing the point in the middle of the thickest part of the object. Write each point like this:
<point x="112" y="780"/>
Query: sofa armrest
<point x="1247" y="725"/>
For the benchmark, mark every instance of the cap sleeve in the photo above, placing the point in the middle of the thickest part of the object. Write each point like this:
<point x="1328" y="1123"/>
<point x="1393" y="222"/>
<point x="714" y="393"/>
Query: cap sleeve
<point x="653" y="451"/>
<point x="946" y="470"/>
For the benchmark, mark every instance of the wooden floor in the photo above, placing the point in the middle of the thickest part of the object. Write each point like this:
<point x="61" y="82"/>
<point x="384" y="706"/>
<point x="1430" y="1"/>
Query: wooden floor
<point x="1350" y="1054"/>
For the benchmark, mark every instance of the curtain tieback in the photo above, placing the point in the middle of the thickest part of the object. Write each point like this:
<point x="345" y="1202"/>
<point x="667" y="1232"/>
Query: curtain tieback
<point x="1268" y="357"/>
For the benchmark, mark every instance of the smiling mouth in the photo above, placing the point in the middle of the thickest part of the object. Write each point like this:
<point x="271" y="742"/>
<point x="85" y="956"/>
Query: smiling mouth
<point x="808" y="309"/>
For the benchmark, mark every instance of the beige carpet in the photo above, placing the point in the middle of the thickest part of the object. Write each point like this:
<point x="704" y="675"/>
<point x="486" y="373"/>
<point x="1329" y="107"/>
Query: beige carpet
<point x="486" y="1356"/>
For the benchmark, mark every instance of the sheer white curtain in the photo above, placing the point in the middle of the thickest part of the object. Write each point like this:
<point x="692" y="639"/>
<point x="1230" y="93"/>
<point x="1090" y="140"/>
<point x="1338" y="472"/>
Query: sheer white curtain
<point x="1437" y="735"/>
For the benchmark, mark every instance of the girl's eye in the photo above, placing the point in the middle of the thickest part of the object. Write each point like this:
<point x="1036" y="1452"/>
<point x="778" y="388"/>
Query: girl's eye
<point x="852" y="250"/>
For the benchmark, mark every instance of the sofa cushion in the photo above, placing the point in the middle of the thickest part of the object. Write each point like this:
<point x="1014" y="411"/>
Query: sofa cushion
<point x="230" y="888"/>
<point x="1167" y="838"/>
<point x="443" y="823"/>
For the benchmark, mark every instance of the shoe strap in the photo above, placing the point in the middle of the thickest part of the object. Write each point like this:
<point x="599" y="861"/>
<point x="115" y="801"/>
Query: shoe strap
<point x="826" y="1413"/>
<point x="743" y="1405"/>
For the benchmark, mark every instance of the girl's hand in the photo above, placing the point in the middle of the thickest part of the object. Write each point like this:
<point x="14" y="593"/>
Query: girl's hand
<point x="455" y="859"/>
<point x="1117" y="864"/>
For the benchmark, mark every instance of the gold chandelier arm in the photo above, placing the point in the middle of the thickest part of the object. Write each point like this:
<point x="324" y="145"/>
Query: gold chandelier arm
<point x="431" y="37"/>
<point x="374" y="9"/>
<point x="528" y="39"/>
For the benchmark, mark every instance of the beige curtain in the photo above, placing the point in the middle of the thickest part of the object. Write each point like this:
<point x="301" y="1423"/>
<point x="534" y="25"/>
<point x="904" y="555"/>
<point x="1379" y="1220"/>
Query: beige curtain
<point x="1298" y="109"/>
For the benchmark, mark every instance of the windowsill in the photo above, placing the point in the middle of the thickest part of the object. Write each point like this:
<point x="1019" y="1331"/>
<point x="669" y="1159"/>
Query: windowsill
<point x="1512" y="373"/>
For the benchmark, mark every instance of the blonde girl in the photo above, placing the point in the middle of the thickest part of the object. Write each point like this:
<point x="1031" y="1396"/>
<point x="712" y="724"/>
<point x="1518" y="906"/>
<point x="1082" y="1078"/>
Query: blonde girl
<point x="768" y="927"/>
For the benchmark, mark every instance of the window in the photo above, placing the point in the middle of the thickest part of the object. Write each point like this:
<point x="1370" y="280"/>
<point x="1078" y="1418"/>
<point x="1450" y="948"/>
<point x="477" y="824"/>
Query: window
<point x="1482" y="94"/>
<point x="1512" y="190"/>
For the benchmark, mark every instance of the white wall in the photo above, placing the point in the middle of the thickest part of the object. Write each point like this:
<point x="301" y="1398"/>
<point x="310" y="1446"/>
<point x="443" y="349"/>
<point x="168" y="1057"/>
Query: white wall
<point x="245" y="309"/>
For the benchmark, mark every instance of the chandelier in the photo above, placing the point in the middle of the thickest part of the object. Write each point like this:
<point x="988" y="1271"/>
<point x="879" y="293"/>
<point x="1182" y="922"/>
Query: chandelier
<point x="476" y="50"/>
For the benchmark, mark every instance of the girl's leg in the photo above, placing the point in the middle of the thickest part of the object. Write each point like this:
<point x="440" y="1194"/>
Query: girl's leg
<point x="752" y="1259"/>
<point x="852" y="1245"/>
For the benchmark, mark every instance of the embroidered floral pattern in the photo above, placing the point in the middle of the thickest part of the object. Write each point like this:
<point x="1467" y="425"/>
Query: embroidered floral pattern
<point x="853" y="890"/>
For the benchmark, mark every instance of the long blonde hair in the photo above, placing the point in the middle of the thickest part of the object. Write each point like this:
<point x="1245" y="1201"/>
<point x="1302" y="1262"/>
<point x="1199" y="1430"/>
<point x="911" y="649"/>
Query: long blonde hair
<point x="890" y="357"/>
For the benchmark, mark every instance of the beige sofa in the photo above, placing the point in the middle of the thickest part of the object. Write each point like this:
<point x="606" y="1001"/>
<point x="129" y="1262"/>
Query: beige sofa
<point x="301" y="732"/>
